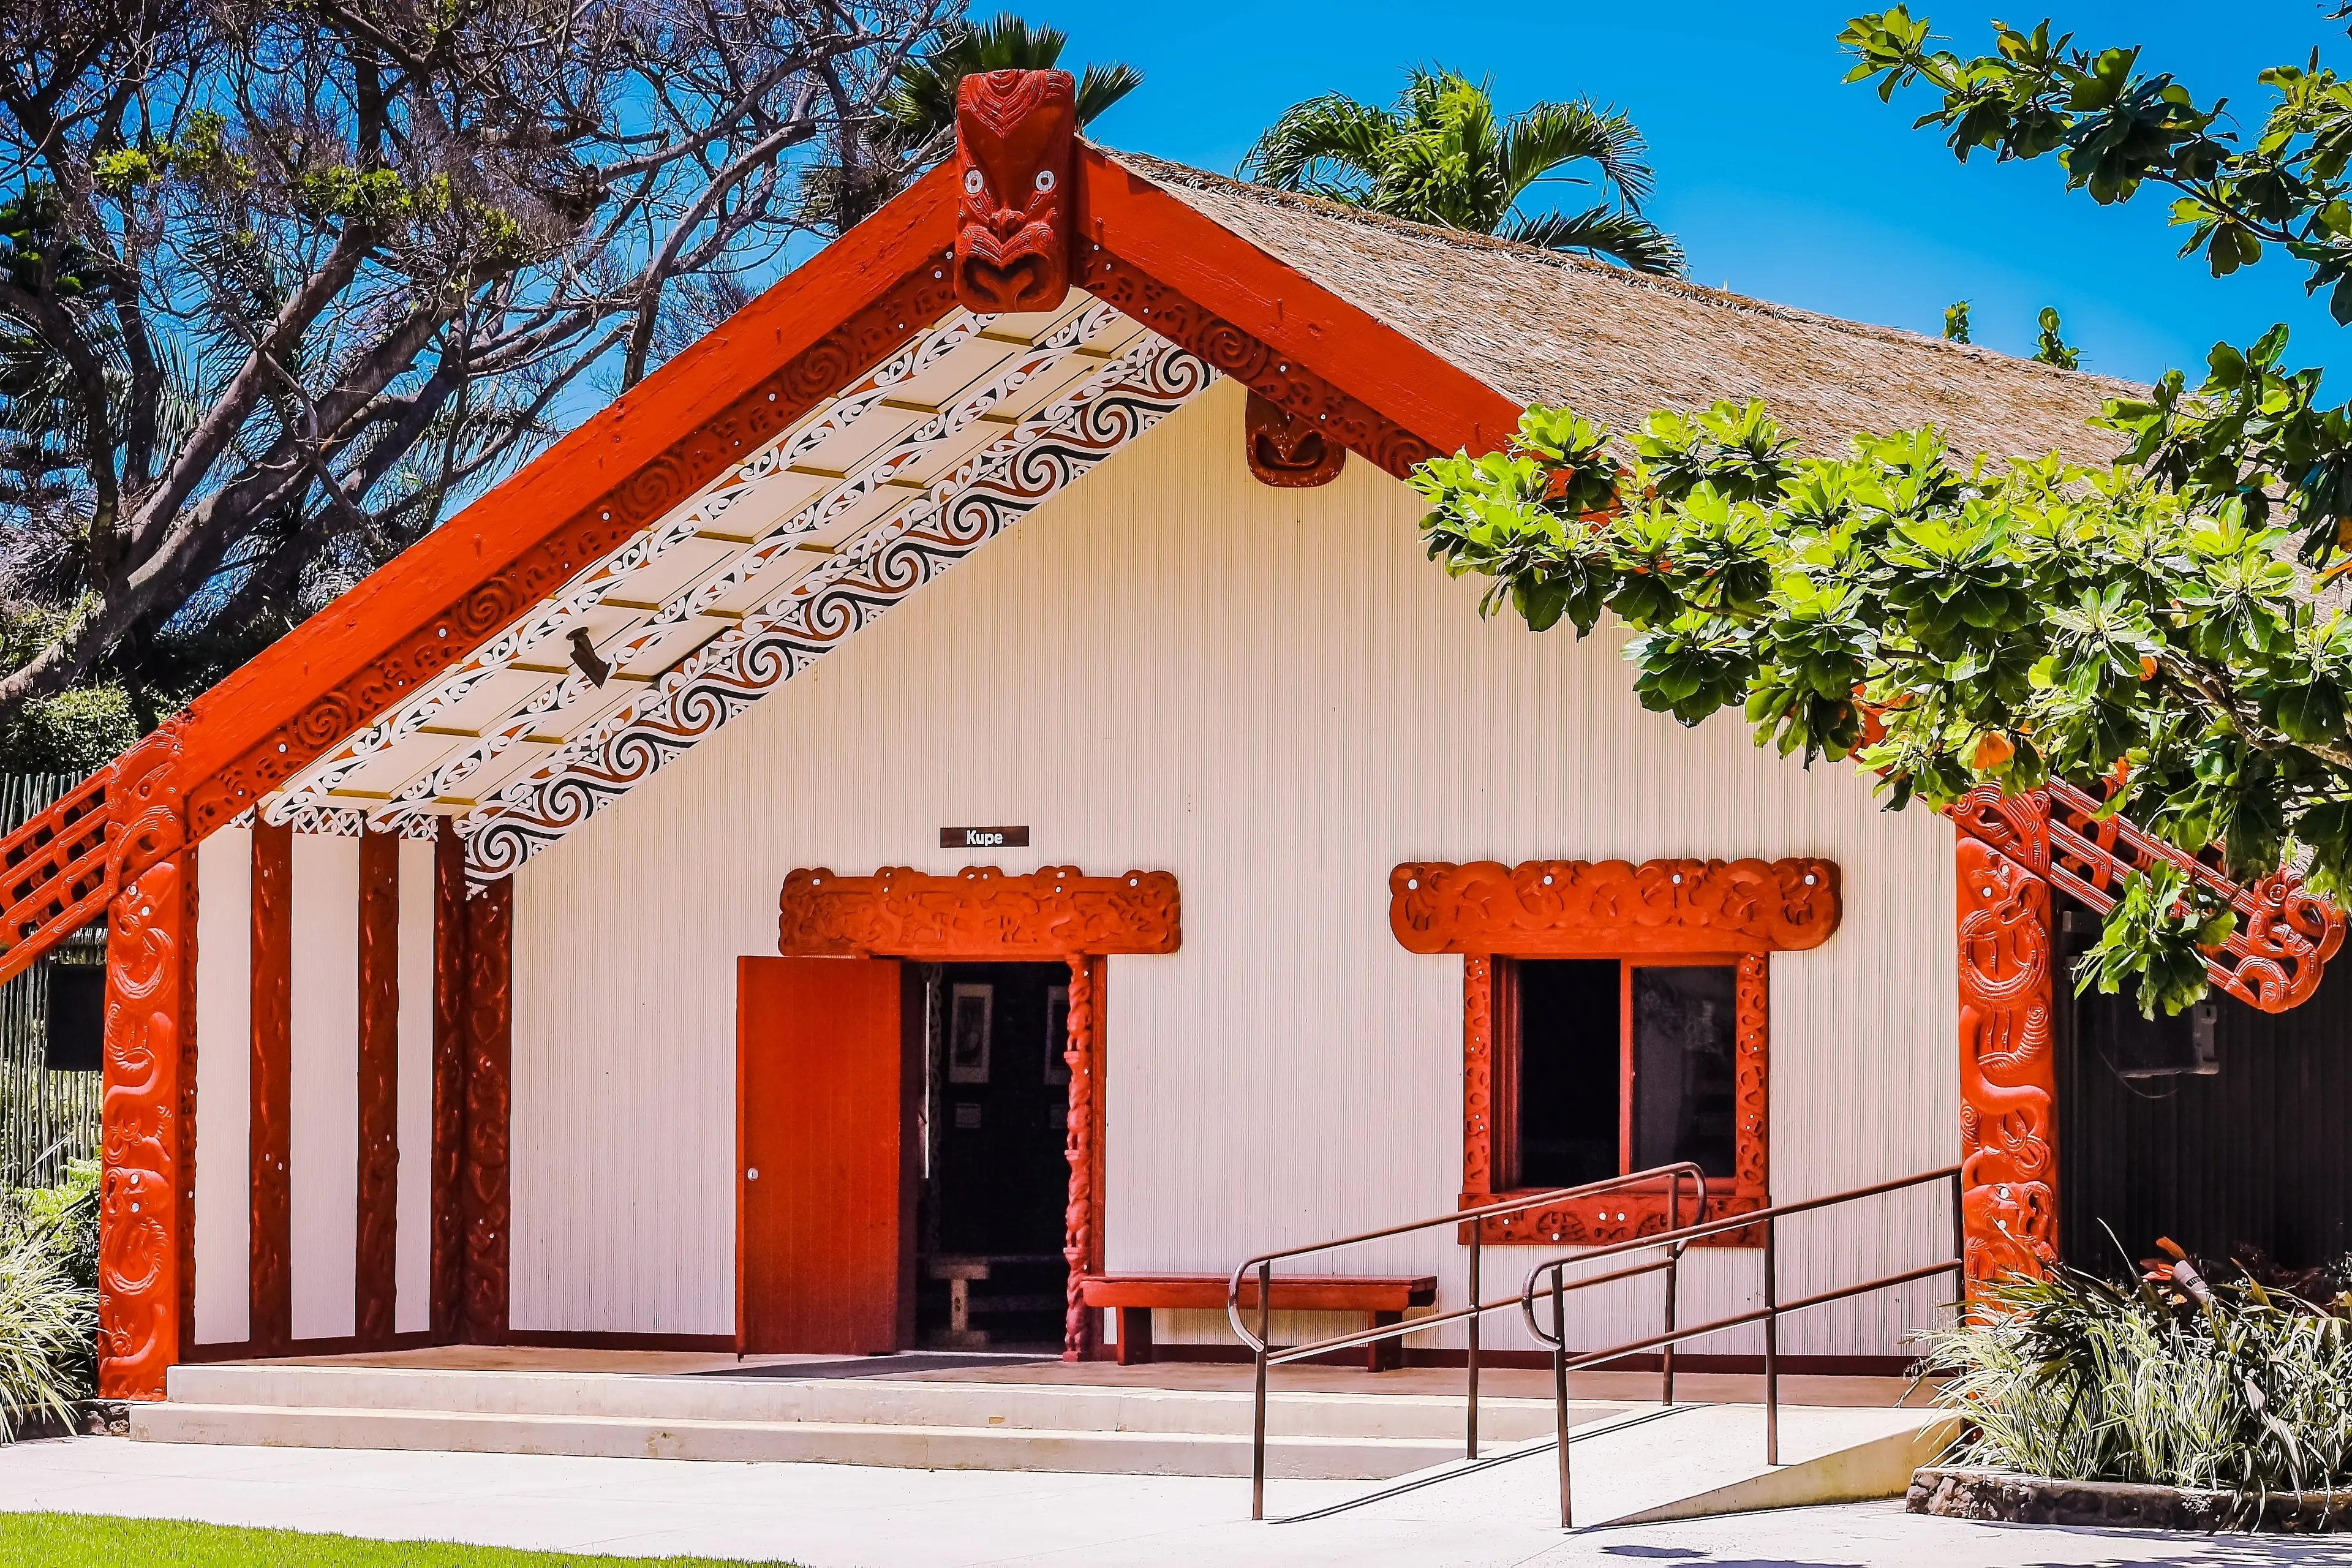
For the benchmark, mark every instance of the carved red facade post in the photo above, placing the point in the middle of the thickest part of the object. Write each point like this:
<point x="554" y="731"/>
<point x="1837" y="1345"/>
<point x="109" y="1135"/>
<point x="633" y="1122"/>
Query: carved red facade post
<point x="1015" y="156"/>
<point x="2008" y="1165"/>
<point x="485" y="1190"/>
<point x="142" y="1272"/>
<point x="269" y="1101"/>
<point x="1080" y="1231"/>
<point x="375" y="1272"/>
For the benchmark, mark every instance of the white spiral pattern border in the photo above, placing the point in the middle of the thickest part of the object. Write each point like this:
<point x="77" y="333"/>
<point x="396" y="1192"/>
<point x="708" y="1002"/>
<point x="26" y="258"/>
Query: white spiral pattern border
<point x="972" y="504"/>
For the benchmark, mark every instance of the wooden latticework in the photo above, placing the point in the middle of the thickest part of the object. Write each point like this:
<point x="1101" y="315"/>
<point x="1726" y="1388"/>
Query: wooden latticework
<point x="46" y="1117"/>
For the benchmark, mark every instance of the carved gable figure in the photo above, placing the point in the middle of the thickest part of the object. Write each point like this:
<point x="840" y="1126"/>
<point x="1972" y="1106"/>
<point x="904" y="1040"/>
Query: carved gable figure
<point x="1014" y="140"/>
<point x="1288" y="450"/>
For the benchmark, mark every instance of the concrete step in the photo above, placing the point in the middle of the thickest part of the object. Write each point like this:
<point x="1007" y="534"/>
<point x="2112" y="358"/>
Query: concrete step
<point x="1015" y="1406"/>
<point x="1100" y="1452"/>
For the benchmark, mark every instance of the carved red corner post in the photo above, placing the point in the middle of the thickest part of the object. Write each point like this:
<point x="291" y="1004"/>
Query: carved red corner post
<point x="1286" y="449"/>
<point x="2012" y="852"/>
<point x="1016" y="145"/>
<point x="1739" y="910"/>
<point x="141" y="1275"/>
<point x="983" y="915"/>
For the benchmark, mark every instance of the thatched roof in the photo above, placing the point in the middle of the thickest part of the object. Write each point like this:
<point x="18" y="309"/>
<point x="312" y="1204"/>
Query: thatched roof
<point x="1539" y="326"/>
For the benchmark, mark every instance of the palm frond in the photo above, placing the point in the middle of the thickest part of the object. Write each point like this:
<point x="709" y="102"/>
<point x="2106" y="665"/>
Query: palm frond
<point x="1610" y="234"/>
<point x="1552" y="134"/>
<point x="921" y="98"/>
<point x="1103" y="84"/>
<point x="1322" y="138"/>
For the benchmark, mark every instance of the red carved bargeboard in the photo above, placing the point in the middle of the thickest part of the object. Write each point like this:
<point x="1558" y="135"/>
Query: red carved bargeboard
<point x="1563" y="907"/>
<point x="1288" y="450"/>
<point x="1487" y="912"/>
<point x="979" y="912"/>
<point x="983" y="914"/>
<point x="1279" y="378"/>
<point x="859" y="343"/>
<point x="1016" y="148"/>
<point x="2009" y="1163"/>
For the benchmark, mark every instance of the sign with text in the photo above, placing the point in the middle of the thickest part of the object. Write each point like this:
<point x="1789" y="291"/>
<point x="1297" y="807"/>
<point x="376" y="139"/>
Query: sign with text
<point x="984" y="837"/>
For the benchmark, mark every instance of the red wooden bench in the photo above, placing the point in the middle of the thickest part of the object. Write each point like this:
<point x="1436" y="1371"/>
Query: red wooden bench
<point x="1384" y="1297"/>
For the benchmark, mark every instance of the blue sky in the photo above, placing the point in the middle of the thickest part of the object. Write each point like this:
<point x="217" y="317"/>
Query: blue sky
<point x="1780" y="182"/>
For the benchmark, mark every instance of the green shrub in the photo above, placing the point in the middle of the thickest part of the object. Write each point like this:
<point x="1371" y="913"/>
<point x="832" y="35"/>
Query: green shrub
<point x="2228" y="1386"/>
<point x="48" y="1299"/>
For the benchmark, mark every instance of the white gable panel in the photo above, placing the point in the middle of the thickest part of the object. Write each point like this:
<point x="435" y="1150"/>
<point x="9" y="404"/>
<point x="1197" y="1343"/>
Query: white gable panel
<point x="224" y="1084"/>
<point x="1275" y="696"/>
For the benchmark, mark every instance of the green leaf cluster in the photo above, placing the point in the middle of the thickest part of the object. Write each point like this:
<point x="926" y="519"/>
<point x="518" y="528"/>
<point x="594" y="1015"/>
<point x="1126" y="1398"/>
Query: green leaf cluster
<point x="1945" y="624"/>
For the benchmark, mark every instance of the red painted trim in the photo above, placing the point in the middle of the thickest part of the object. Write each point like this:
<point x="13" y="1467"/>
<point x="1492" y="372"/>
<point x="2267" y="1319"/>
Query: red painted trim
<point x="448" y="1153"/>
<point x="188" y="1076"/>
<point x="269" y="1109"/>
<point x="303" y="1350"/>
<point x="1274" y="302"/>
<point x="375" y="1276"/>
<point x="490" y="1051"/>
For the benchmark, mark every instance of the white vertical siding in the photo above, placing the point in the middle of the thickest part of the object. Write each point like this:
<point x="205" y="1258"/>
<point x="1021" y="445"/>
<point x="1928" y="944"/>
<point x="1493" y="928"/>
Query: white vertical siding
<point x="322" y="1174"/>
<point x="224" y="1063"/>
<point x="1274" y="694"/>
<point x="412" y="1306"/>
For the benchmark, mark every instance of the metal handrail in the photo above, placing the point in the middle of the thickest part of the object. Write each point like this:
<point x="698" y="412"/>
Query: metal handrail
<point x="1265" y="1356"/>
<point x="1769" y="1314"/>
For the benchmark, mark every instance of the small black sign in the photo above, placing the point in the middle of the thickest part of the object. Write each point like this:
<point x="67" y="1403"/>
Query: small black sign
<point x="984" y="837"/>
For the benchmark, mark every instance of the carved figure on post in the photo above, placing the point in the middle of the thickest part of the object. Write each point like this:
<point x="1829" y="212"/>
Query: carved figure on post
<point x="1015" y="144"/>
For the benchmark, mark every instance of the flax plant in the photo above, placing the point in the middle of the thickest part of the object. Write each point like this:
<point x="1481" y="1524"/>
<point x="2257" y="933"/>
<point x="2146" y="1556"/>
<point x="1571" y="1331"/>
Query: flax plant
<point x="2239" y="1389"/>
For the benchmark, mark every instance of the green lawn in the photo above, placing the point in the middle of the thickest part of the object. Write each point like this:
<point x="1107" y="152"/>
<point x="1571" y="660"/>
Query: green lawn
<point x="74" y="1540"/>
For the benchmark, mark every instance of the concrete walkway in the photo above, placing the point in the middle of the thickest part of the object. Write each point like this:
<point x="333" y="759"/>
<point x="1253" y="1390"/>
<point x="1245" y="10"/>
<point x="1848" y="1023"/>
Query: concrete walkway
<point x="838" y="1516"/>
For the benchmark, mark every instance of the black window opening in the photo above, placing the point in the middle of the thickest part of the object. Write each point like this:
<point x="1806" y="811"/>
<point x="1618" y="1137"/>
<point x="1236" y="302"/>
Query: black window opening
<point x="76" y="1036"/>
<point x="1614" y="1065"/>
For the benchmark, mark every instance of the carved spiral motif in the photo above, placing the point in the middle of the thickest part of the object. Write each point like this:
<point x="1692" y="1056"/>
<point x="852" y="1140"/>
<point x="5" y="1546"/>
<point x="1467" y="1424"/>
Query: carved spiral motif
<point x="1002" y="484"/>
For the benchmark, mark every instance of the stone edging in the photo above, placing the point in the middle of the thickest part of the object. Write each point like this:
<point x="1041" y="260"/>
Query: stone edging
<point x="1959" y="1493"/>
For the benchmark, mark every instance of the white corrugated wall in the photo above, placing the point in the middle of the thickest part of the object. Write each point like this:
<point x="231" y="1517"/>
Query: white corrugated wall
<point x="1275" y="696"/>
<point x="224" y="1076"/>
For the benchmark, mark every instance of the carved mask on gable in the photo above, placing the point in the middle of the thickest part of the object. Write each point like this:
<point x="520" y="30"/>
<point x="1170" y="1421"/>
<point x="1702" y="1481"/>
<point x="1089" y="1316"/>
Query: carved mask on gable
<point x="1015" y="140"/>
<point x="1288" y="450"/>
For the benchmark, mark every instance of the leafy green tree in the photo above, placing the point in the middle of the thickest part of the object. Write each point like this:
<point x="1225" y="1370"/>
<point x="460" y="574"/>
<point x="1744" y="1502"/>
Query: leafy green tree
<point x="2142" y="631"/>
<point x="281" y="283"/>
<point x="2052" y="348"/>
<point x="1956" y="322"/>
<point x="1442" y="155"/>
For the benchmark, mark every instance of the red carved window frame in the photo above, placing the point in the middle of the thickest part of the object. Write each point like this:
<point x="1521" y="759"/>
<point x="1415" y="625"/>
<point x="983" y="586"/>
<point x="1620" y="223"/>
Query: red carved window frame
<point x="1672" y="913"/>
<point x="983" y="915"/>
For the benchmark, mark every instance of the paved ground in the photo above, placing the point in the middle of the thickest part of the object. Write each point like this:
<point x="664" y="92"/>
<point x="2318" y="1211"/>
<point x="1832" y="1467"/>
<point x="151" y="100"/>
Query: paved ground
<point x="836" y="1516"/>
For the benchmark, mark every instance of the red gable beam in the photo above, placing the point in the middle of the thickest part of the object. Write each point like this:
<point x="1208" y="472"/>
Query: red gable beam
<point x="823" y="324"/>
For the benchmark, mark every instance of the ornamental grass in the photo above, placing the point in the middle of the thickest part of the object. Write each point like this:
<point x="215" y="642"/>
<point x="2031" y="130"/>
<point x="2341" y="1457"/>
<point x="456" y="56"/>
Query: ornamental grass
<point x="48" y="1300"/>
<point x="2230" y="1388"/>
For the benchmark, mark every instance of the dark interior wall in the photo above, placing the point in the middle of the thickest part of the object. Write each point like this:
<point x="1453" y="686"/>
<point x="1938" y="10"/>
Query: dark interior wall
<point x="2259" y="1153"/>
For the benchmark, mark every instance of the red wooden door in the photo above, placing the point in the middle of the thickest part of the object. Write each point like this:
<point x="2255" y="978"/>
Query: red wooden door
<point x="820" y="1180"/>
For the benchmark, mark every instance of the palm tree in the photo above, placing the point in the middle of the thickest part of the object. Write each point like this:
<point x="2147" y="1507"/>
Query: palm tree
<point x="1442" y="155"/>
<point x="921" y="100"/>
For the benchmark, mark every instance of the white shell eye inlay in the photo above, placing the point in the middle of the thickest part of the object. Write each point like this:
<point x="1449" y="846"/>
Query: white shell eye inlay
<point x="1044" y="179"/>
<point x="972" y="181"/>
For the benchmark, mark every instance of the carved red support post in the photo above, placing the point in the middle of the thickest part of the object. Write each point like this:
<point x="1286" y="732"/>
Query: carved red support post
<point x="142" y="1277"/>
<point x="269" y="1101"/>
<point x="1081" y="1236"/>
<point x="375" y="1275"/>
<point x="489" y="1042"/>
<point x="2008" y="1079"/>
<point x="449" y="1053"/>
<point x="1016" y="159"/>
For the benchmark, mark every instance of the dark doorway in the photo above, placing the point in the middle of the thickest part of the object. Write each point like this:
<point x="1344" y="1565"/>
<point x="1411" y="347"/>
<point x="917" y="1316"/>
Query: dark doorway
<point x="988" y="1270"/>
<point x="2227" y="1143"/>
